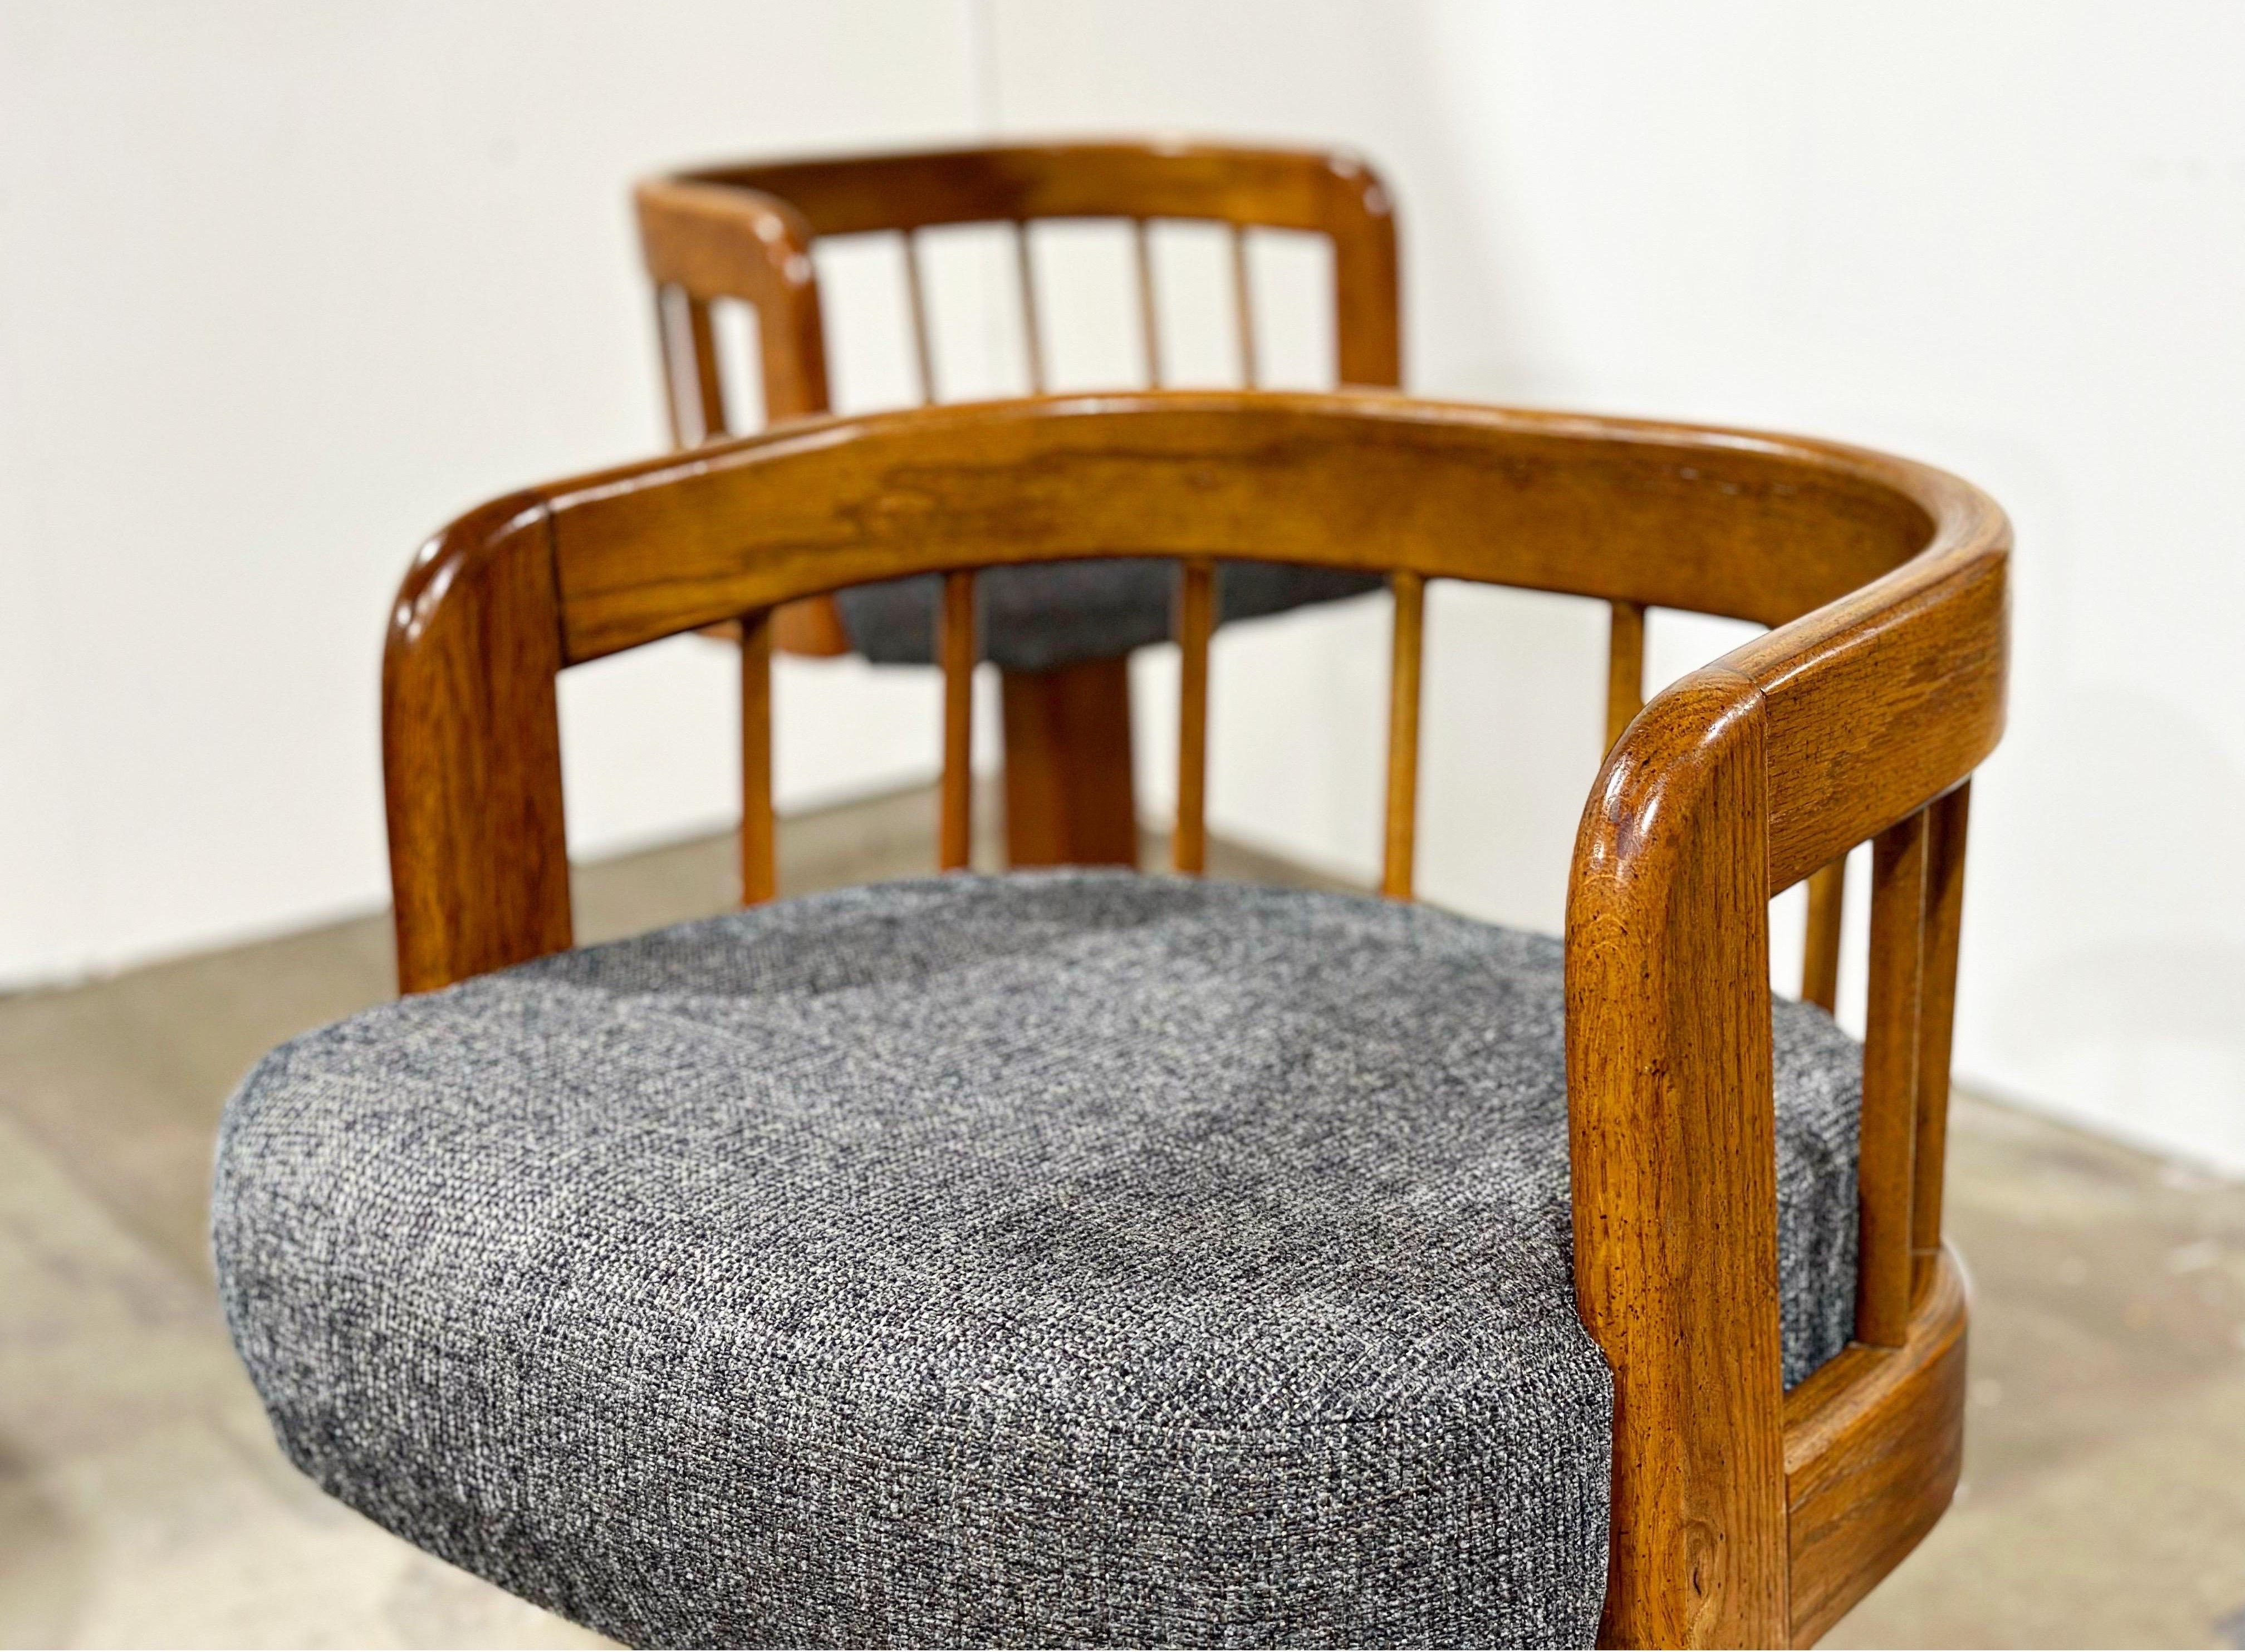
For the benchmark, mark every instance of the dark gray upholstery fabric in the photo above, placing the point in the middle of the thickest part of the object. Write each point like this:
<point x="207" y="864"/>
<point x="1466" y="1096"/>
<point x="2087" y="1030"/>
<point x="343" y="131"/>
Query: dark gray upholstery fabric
<point x="1057" y="613"/>
<point x="1060" y="1258"/>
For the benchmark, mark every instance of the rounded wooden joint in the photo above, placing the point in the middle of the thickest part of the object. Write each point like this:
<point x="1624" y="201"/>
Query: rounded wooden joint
<point x="716" y="241"/>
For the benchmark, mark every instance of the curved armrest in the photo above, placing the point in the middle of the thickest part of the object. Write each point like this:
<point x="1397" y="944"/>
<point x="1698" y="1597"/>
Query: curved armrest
<point x="1732" y="785"/>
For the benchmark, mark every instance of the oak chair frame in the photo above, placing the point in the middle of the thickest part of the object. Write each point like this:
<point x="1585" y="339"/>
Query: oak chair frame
<point x="744" y="233"/>
<point x="1742" y="1514"/>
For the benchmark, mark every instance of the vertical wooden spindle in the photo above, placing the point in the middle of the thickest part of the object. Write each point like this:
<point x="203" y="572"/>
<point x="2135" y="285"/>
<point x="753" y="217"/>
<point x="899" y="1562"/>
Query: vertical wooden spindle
<point x="1243" y="306"/>
<point x="1820" y="957"/>
<point x="1150" y="322"/>
<point x="1395" y="876"/>
<point x="1031" y="334"/>
<point x="916" y="300"/>
<point x="1196" y="624"/>
<point x="1624" y="668"/>
<point x="955" y="648"/>
<point x="708" y="380"/>
<point x="1937" y="1020"/>
<point x="668" y="346"/>
<point x="759" y="859"/>
<point x="1886" y="1174"/>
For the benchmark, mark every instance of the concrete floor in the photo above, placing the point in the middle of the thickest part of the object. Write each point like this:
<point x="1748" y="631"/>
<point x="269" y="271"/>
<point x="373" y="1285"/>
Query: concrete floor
<point x="142" y="1500"/>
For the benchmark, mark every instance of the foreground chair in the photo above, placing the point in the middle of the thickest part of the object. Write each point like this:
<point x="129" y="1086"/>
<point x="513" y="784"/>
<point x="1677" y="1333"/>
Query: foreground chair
<point x="1079" y="1257"/>
<point x="1061" y="637"/>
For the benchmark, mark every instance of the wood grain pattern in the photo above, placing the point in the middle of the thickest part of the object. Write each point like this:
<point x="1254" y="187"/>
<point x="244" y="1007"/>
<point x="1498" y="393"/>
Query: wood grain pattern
<point x="957" y="651"/>
<point x="1882" y="701"/>
<point x="1873" y="1445"/>
<point x="1739" y="1516"/>
<point x="1403" y="701"/>
<point x="1885" y="1171"/>
<point x="1752" y="526"/>
<point x="471" y="750"/>
<point x="1672" y="1153"/>
<point x="1196" y="625"/>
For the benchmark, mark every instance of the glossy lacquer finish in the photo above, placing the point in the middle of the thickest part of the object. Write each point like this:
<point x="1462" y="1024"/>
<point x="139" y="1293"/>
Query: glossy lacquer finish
<point x="1741" y="1515"/>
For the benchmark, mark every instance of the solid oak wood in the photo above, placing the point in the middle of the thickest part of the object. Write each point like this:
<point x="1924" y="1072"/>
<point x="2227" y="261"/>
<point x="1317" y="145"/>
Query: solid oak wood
<point x="1069" y="765"/>
<point x="745" y="232"/>
<point x="1937" y="1021"/>
<point x="1334" y="195"/>
<point x="1196" y="594"/>
<point x="956" y="651"/>
<point x="1820" y="959"/>
<point x="1885" y="1173"/>
<point x="1873" y="1442"/>
<point x="759" y="838"/>
<point x="702" y="244"/>
<point x="1740" y="1515"/>
<point x="471" y="750"/>
<point x="706" y="243"/>
<point x="1747" y="526"/>
<point x="1403" y="699"/>
<point x="1893" y="699"/>
<point x="1672" y="1150"/>
<point x="1624" y="668"/>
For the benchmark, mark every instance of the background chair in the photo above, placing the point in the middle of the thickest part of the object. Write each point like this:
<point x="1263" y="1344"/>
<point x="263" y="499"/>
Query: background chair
<point x="745" y="233"/>
<point x="1740" y="1512"/>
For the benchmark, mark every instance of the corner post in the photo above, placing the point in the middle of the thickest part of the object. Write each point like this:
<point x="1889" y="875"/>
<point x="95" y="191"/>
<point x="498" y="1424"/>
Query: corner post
<point x="471" y="750"/>
<point x="1672" y="1149"/>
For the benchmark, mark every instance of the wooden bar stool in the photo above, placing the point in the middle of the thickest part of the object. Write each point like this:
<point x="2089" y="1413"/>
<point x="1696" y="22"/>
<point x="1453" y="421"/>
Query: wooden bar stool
<point x="1079" y="1257"/>
<point x="744" y="234"/>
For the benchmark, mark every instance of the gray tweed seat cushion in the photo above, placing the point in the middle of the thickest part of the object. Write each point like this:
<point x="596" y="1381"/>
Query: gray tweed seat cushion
<point x="1060" y="1258"/>
<point x="1060" y="614"/>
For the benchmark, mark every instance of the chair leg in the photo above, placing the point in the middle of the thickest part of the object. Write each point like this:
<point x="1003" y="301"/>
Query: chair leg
<point x="1069" y="799"/>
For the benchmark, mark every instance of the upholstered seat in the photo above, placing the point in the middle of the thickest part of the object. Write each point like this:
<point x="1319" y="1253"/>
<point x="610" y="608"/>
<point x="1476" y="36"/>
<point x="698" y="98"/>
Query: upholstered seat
<point x="1053" y="614"/>
<point x="1068" y="1257"/>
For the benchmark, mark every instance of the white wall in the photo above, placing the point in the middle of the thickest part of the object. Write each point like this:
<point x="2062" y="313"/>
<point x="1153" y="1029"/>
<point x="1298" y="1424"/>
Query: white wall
<point x="283" y="287"/>
<point x="2006" y="238"/>
<point x="280" y="291"/>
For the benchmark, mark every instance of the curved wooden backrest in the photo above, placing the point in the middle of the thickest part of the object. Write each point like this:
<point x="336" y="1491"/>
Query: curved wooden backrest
<point x="745" y="232"/>
<point x="1741" y="1514"/>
